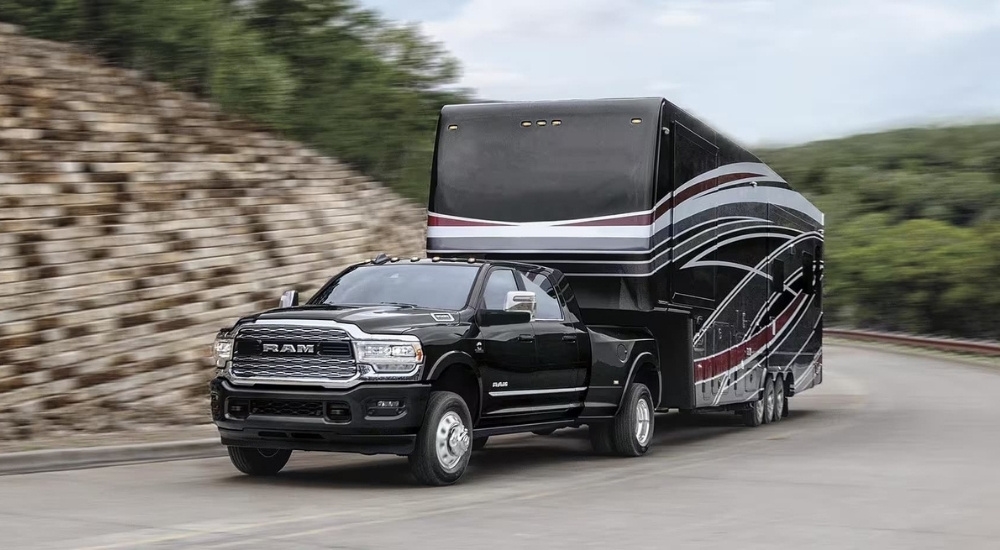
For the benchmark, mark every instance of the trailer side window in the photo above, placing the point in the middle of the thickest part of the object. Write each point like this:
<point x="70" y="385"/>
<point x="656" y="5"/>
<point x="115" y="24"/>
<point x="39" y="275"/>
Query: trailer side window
<point x="501" y="282"/>
<point x="808" y="273"/>
<point x="547" y="300"/>
<point x="777" y="276"/>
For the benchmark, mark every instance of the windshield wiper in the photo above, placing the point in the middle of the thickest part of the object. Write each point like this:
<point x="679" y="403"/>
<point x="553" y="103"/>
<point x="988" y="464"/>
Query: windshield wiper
<point x="400" y="304"/>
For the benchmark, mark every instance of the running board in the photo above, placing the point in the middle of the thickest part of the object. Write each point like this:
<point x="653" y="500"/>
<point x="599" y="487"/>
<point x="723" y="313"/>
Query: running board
<point x="522" y="428"/>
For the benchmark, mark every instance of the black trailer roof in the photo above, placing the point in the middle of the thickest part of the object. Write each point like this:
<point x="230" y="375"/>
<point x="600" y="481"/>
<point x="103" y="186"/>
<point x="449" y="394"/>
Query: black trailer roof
<point x="647" y="108"/>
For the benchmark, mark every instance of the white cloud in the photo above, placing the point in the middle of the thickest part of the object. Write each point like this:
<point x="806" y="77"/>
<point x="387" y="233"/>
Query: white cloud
<point x="680" y="17"/>
<point x="780" y="70"/>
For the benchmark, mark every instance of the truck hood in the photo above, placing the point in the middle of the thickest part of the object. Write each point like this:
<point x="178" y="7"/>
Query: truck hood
<point x="385" y="319"/>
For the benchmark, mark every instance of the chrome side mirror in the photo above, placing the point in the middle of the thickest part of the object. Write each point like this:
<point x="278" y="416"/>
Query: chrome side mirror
<point x="289" y="299"/>
<point x="520" y="300"/>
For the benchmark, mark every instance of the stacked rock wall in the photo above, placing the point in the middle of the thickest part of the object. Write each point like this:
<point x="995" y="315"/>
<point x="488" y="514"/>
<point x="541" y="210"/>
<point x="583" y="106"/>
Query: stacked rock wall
<point x="135" y="221"/>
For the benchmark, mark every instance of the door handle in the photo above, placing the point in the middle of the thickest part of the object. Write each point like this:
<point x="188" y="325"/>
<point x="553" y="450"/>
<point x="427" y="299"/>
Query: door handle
<point x="525" y="338"/>
<point x="569" y="338"/>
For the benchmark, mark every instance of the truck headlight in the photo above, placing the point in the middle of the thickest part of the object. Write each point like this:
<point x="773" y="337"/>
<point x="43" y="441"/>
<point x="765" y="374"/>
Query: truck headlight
<point x="388" y="359"/>
<point x="222" y="350"/>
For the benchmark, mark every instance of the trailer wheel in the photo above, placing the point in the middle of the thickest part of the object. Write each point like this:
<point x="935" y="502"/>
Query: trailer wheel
<point x="444" y="442"/>
<point x="779" y="399"/>
<point x="259" y="462"/>
<point x="632" y="428"/>
<point x="768" y="400"/>
<point x="600" y="438"/>
<point x="753" y="415"/>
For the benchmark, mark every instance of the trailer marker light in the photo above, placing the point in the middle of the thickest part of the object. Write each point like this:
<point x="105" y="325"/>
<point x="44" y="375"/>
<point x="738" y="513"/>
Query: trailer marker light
<point x="541" y="123"/>
<point x="526" y="123"/>
<point x="557" y="123"/>
<point x="453" y="127"/>
<point x="636" y="121"/>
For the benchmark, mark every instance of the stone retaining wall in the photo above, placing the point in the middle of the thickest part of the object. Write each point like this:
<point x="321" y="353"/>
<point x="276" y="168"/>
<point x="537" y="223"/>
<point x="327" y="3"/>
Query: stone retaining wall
<point x="134" y="222"/>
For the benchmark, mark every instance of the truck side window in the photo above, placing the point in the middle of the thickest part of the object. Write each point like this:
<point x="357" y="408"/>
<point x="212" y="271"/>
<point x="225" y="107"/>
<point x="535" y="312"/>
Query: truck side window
<point x="500" y="282"/>
<point x="548" y="306"/>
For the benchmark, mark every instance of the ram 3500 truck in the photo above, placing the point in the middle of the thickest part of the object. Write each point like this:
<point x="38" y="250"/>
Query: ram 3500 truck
<point x="592" y="263"/>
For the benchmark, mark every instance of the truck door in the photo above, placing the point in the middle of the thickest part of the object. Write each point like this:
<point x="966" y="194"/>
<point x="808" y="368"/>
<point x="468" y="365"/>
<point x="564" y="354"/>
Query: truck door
<point x="508" y="360"/>
<point x="557" y="338"/>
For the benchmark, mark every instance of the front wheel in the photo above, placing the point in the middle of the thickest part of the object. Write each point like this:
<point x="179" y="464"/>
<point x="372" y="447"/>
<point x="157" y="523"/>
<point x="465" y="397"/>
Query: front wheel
<point x="631" y="431"/>
<point x="259" y="462"/>
<point x="444" y="442"/>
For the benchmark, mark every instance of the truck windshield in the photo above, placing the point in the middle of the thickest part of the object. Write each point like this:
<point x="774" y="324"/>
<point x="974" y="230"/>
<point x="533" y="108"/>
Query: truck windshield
<point x="434" y="286"/>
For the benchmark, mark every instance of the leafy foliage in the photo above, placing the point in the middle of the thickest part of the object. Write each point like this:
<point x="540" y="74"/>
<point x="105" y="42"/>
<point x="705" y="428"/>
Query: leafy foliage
<point x="913" y="226"/>
<point x="322" y="71"/>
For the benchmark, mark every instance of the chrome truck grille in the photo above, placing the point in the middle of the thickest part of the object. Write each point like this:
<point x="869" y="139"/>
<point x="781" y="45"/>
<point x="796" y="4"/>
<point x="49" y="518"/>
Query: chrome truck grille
<point x="273" y="353"/>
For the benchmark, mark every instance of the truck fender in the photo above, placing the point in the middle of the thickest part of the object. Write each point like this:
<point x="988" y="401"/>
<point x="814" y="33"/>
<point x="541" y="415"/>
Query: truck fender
<point x="451" y="359"/>
<point x="642" y="359"/>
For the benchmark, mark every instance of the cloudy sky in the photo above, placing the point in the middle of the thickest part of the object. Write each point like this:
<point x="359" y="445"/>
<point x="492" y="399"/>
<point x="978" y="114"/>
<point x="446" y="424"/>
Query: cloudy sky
<point x="762" y="71"/>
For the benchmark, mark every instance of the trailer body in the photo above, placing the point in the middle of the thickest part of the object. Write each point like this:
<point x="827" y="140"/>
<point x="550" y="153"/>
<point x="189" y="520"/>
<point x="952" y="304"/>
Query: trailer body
<point x="657" y="220"/>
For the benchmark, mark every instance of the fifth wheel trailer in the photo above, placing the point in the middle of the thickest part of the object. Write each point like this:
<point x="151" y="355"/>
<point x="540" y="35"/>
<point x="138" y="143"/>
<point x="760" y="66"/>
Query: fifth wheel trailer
<point x="659" y="222"/>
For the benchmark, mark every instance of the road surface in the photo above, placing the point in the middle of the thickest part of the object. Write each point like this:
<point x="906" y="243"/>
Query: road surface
<point x="892" y="451"/>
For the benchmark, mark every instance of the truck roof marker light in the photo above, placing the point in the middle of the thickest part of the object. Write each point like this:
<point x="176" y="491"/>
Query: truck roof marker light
<point x="557" y="123"/>
<point x="414" y="259"/>
<point x="541" y="123"/>
<point x="526" y="124"/>
<point x="453" y="127"/>
<point x="394" y="259"/>
<point x="436" y="259"/>
<point x="636" y="121"/>
<point x="471" y="260"/>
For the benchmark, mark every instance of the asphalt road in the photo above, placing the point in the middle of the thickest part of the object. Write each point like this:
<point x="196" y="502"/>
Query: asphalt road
<point x="892" y="451"/>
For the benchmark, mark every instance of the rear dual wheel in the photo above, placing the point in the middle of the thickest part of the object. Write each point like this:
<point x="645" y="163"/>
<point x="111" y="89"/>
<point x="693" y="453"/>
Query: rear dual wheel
<point x="630" y="433"/>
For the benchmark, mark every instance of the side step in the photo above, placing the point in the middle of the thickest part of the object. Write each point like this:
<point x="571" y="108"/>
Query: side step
<point x="523" y="428"/>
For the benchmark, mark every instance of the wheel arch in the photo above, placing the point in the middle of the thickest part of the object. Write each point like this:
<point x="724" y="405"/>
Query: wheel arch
<point x="456" y="372"/>
<point x="645" y="369"/>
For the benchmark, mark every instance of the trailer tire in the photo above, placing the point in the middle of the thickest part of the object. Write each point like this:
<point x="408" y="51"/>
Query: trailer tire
<point x="768" y="400"/>
<point x="632" y="428"/>
<point x="753" y="415"/>
<point x="779" y="399"/>
<point x="444" y="442"/>
<point x="259" y="462"/>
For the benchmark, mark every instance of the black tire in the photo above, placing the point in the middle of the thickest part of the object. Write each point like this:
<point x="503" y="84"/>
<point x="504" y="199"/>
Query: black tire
<point x="549" y="431"/>
<point x="424" y="462"/>
<point x="779" y="399"/>
<point x="479" y="442"/>
<point x="625" y="428"/>
<point x="600" y="438"/>
<point x="259" y="462"/>
<point x="768" y="400"/>
<point x="753" y="415"/>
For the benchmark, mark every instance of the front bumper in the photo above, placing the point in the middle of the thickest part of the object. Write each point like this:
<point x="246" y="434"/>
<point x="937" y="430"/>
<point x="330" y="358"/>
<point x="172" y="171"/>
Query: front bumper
<point x="351" y="420"/>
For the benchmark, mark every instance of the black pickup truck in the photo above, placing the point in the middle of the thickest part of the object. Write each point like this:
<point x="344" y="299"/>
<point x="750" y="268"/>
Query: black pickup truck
<point x="427" y="358"/>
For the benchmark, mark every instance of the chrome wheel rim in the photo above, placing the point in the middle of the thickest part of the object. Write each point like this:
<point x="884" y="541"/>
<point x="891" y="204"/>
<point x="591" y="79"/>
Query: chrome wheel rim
<point x="769" y="406"/>
<point x="779" y="400"/>
<point x="643" y="422"/>
<point x="451" y="441"/>
<point x="758" y="410"/>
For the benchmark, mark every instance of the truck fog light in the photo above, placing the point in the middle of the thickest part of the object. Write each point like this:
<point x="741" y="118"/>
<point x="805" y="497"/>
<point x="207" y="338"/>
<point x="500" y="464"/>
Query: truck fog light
<point x="237" y="408"/>
<point x="388" y="404"/>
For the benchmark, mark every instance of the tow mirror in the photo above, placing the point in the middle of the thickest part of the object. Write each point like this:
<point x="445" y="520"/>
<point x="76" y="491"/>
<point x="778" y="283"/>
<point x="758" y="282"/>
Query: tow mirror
<point x="289" y="299"/>
<point x="520" y="300"/>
